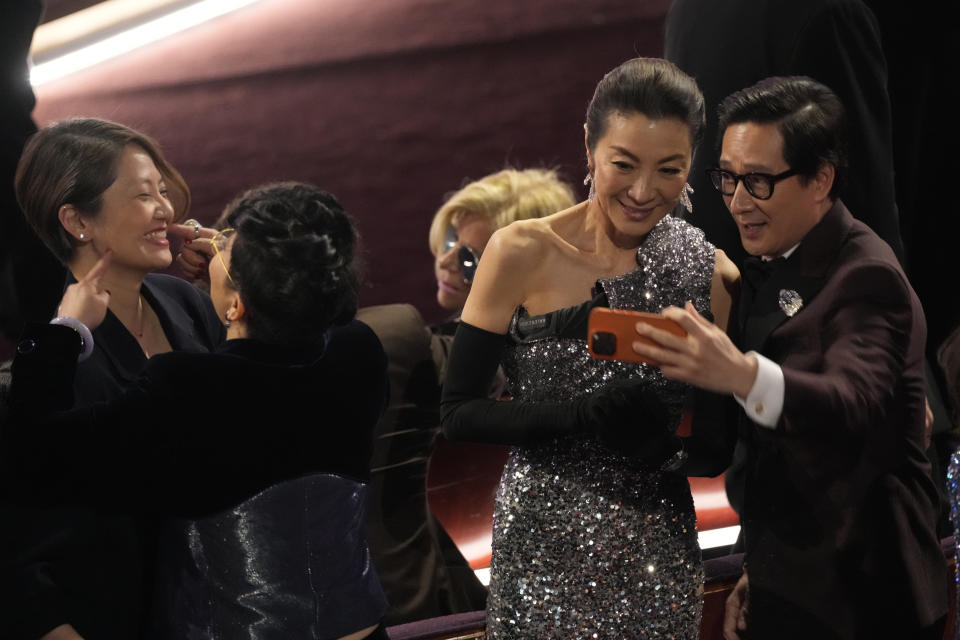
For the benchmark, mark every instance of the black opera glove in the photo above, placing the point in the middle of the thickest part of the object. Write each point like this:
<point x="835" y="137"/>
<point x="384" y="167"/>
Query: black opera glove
<point x="630" y="418"/>
<point x="627" y="417"/>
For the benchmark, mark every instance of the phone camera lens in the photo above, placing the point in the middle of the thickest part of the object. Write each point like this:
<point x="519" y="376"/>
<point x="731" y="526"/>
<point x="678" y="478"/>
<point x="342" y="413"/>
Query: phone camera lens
<point x="604" y="343"/>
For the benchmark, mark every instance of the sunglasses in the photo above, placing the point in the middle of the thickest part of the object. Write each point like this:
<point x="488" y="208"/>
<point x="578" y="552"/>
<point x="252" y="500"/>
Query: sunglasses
<point x="467" y="258"/>
<point x="220" y="242"/>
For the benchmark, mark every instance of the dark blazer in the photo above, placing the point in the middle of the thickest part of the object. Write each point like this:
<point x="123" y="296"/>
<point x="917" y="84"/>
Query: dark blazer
<point x="188" y="320"/>
<point x="727" y="46"/>
<point x="267" y="413"/>
<point x="198" y="432"/>
<point x="839" y="509"/>
<point x="30" y="276"/>
<point x="83" y="566"/>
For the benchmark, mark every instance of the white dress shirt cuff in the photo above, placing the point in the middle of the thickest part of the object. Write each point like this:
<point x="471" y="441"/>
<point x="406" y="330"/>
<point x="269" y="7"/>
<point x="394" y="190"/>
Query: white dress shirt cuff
<point x="764" y="403"/>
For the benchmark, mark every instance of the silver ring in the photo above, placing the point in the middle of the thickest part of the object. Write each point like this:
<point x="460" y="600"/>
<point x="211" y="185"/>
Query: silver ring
<point x="196" y="227"/>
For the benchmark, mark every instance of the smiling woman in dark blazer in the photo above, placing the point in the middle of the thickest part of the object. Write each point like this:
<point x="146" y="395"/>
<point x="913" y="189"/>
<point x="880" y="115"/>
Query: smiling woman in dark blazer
<point x="255" y="455"/>
<point x="89" y="186"/>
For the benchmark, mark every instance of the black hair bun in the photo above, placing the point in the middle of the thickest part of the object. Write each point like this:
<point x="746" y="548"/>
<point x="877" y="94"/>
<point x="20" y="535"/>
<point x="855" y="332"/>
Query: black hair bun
<point x="294" y="261"/>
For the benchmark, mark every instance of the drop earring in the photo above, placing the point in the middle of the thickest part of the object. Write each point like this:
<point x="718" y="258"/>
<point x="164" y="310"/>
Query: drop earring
<point x="588" y="181"/>
<point x="685" y="197"/>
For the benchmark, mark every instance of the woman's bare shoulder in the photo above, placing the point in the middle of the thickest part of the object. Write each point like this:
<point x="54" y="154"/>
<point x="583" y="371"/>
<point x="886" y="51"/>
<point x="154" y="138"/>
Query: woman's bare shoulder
<point x="509" y="260"/>
<point x="724" y="290"/>
<point x="522" y="243"/>
<point x="726" y="270"/>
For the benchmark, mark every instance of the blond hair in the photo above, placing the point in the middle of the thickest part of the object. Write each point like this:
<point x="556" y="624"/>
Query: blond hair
<point x="503" y="197"/>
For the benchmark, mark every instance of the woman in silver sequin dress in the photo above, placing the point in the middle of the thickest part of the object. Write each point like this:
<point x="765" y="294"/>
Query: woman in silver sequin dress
<point x="592" y="539"/>
<point x="953" y="489"/>
<point x="948" y="357"/>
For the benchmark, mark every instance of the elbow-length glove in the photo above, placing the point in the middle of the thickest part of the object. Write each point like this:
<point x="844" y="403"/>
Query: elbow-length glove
<point x="627" y="417"/>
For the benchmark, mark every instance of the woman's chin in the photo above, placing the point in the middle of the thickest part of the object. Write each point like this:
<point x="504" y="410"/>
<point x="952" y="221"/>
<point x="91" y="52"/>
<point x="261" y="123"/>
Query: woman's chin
<point x="163" y="259"/>
<point x="637" y="229"/>
<point x="153" y="261"/>
<point x="448" y="302"/>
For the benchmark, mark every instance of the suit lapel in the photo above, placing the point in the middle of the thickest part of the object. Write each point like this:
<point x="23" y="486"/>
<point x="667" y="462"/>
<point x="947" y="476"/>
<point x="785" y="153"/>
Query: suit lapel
<point x="766" y="313"/>
<point x="117" y="345"/>
<point x="177" y="323"/>
<point x="123" y="351"/>
<point x="804" y="273"/>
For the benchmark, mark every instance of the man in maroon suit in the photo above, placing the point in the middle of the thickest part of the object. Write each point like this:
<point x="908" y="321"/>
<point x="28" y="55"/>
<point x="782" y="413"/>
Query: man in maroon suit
<point x="838" y="507"/>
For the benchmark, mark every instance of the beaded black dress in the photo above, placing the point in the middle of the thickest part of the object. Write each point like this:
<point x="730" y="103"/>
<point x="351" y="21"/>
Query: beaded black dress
<point x="953" y="489"/>
<point x="588" y="543"/>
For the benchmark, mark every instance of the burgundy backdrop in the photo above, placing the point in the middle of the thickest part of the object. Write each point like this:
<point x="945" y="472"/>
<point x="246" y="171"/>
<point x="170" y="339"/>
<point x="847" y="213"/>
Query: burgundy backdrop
<point x="389" y="104"/>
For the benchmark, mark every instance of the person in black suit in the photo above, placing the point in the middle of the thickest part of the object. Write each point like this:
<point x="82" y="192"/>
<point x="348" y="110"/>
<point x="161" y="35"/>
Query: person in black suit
<point x="88" y="187"/>
<point x="255" y="456"/>
<point x="839" y="510"/>
<point x="884" y="61"/>
<point x="31" y="278"/>
<point x="729" y="45"/>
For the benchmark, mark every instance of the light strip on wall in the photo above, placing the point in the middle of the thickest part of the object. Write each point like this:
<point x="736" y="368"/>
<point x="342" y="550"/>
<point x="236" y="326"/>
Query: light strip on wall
<point x="134" y="38"/>
<point x="80" y="28"/>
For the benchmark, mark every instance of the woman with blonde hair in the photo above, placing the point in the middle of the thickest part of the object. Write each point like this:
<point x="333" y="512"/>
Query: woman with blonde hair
<point x="463" y="225"/>
<point x="420" y="567"/>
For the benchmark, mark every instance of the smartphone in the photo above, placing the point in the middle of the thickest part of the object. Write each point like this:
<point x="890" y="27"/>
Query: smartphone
<point x="612" y="332"/>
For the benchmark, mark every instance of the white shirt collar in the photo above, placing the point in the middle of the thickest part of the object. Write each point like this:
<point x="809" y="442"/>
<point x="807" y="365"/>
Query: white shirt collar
<point x="785" y="254"/>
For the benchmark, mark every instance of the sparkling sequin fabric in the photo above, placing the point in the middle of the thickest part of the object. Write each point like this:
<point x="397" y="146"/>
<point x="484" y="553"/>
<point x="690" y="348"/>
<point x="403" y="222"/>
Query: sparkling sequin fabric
<point x="588" y="543"/>
<point x="953" y="488"/>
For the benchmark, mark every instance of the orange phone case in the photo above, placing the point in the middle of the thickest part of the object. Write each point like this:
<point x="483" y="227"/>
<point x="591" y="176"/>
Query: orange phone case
<point x="612" y="332"/>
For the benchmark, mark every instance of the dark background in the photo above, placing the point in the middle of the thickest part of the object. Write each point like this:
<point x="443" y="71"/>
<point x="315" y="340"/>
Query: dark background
<point x="389" y="104"/>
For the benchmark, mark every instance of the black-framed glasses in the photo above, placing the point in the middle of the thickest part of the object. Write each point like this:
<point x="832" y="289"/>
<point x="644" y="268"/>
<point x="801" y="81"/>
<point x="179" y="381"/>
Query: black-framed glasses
<point x="467" y="258"/>
<point x="759" y="185"/>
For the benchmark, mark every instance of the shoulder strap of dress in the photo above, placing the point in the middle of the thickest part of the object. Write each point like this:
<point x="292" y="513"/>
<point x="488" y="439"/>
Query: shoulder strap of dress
<point x="570" y="322"/>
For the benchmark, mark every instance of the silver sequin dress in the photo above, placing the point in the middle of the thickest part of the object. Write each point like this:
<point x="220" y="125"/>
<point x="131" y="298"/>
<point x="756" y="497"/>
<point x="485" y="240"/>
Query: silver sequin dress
<point x="953" y="488"/>
<point x="588" y="543"/>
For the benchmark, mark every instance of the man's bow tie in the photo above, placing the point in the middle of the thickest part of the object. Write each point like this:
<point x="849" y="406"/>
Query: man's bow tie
<point x="757" y="271"/>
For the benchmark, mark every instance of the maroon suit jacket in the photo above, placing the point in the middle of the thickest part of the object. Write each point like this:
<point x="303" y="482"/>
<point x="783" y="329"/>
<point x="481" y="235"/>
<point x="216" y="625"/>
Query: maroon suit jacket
<point x="839" y="509"/>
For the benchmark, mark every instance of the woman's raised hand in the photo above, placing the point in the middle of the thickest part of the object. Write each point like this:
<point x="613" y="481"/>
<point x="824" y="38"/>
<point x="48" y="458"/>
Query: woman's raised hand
<point x="197" y="249"/>
<point x="86" y="300"/>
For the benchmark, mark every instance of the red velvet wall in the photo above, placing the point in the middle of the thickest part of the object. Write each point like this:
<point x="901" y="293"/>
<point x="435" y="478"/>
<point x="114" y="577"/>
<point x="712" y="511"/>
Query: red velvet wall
<point x="389" y="104"/>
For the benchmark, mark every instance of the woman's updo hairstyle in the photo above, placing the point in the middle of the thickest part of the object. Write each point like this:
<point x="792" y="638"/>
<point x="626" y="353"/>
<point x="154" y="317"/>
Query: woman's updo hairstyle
<point x="293" y="261"/>
<point x="651" y="86"/>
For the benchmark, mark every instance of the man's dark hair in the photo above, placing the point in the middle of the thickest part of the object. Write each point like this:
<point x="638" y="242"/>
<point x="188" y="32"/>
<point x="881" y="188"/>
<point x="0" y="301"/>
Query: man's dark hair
<point x="808" y="115"/>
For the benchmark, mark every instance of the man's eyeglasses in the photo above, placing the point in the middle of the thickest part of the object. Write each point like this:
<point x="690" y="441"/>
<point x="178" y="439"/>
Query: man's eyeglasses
<point x="759" y="185"/>
<point x="467" y="258"/>
<point x="220" y="242"/>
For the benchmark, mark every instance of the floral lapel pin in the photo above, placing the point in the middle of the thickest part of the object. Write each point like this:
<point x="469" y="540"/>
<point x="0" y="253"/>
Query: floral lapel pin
<point x="790" y="302"/>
